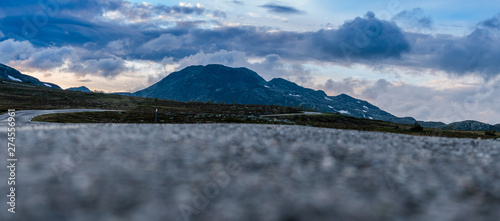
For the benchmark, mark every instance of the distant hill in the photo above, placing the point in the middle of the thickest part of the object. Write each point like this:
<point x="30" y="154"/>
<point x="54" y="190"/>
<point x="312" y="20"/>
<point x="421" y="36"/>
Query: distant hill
<point x="431" y="124"/>
<point x="81" y="89"/>
<point x="470" y="125"/>
<point x="218" y="83"/>
<point x="11" y="74"/>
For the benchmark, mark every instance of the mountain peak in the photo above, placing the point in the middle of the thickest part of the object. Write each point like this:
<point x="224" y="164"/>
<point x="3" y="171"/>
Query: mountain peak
<point x="283" y="82"/>
<point x="203" y="83"/>
<point x="217" y="73"/>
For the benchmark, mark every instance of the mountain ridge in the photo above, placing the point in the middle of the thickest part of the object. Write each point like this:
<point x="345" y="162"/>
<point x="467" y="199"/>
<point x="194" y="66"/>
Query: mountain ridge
<point x="471" y="125"/>
<point x="188" y="85"/>
<point x="218" y="83"/>
<point x="11" y="74"/>
<point x="287" y="91"/>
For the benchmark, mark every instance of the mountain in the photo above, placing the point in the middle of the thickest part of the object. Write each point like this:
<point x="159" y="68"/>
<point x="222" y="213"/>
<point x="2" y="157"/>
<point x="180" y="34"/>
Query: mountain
<point x="218" y="83"/>
<point x="81" y="89"/>
<point x="431" y="124"/>
<point x="14" y="75"/>
<point x="470" y="125"/>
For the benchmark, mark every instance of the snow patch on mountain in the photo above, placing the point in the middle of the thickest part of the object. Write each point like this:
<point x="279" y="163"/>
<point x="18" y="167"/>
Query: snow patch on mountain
<point x="14" y="79"/>
<point x="344" y="112"/>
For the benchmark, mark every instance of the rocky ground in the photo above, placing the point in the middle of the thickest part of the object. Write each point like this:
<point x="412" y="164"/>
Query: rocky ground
<point x="247" y="172"/>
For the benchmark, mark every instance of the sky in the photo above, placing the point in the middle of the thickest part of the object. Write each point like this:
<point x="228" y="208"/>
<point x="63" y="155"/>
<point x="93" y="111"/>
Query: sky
<point x="431" y="60"/>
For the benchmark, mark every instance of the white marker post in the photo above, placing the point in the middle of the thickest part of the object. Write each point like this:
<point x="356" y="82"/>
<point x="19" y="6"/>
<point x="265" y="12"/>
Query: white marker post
<point x="156" y="115"/>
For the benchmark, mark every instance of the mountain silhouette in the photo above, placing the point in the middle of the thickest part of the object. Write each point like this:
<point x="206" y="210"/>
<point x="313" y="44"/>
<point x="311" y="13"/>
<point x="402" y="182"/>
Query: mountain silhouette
<point x="218" y="83"/>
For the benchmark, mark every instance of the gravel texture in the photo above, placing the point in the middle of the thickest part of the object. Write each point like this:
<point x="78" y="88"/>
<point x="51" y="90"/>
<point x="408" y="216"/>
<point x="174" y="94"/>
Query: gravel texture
<point x="247" y="172"/>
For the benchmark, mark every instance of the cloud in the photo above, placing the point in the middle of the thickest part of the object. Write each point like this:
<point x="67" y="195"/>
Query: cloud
<point x="64" y="31"/>
<point x="413" y="19"/>
<point x="93" y="9"/>
<point x="493" y="23"/>
<point x="25" y="55"/>
<point x="281" y="9"/>
<point x="472" y="54"/>
<point x="48" y="58"/>
<point x="106" y="67"/>
<point x="363" y="40"/>
<point x="145" y="12"/>
<point x="119" y="47"/>
<point x="166" y="42"/>
<point x="472" y="102"/>
<point x="218" y="14"/>
<point x="476" y="102"/>
<point x="367" y="39"/>
<point x="12" y="50"/>
<point x="476" y="53"/>
<point x="346" y="86"/>
<point x="236" y="2"/>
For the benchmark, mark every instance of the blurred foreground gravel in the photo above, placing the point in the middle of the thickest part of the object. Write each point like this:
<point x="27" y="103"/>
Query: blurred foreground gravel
<point x="247" y="172"/>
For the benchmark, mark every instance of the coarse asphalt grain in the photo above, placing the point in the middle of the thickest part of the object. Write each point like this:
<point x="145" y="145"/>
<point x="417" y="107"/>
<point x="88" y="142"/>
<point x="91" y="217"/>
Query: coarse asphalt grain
<point x="247" y="172"/>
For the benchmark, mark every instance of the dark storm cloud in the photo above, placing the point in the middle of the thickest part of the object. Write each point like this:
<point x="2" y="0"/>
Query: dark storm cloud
<point x="60" y="31"/>
<point x="362" y="39"/>
<point x="281" y="9"/>
<point x="476" y="53"/>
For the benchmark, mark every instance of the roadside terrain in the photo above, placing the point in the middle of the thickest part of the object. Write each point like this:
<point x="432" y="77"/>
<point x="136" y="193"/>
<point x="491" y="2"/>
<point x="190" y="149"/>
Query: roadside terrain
<point x="23" y="96"/>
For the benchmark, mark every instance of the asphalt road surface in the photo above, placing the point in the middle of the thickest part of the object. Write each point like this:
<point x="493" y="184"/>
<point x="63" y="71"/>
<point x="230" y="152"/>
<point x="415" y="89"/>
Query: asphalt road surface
<point x="246" y="172"/>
